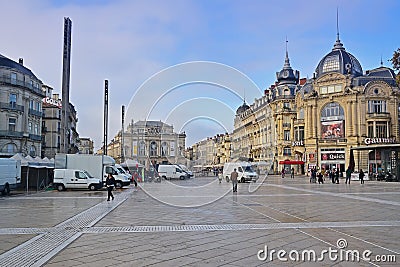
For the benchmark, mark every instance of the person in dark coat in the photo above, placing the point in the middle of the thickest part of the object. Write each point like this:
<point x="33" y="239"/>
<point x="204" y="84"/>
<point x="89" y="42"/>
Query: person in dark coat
<point x="110" y="183"/>
<point x="337" y="176"/>
<point x="348" y="175"/>
<point x="361" y="176"/>
<point x="320" y="178"/>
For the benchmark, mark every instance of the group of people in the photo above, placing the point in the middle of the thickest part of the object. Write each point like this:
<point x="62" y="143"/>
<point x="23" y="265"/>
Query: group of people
<point x="283" y="172"/>
<point x="333" y="175"/>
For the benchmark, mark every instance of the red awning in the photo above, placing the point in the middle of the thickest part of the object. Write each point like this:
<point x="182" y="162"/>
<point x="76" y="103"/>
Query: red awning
<point x="291" y="162"/>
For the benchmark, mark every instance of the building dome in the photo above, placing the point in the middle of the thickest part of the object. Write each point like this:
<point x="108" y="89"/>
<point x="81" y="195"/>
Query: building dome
<point x="339" y="61"/>
<point x="8" y="63"/>
<point x="242" y="108"/>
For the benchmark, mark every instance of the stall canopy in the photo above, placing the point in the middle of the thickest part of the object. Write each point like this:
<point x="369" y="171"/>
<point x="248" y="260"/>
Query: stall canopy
<point x="291" y="162"/>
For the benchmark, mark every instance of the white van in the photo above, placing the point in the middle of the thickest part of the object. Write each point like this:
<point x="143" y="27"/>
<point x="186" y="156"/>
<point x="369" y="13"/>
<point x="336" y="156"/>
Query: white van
<point x="171" y="172"/>
<point x="10" y="174"/>
<point x="74" y="179"/>
<point x="189" y="173"/>
<point x="244" y="170"/>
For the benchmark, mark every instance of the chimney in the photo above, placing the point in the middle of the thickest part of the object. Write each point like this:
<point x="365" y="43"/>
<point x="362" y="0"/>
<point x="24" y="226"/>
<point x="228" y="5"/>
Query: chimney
<point x="21" y="61"/>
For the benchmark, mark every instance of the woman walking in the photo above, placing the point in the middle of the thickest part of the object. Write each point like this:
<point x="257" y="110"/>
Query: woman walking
<point x="110" y="183"/>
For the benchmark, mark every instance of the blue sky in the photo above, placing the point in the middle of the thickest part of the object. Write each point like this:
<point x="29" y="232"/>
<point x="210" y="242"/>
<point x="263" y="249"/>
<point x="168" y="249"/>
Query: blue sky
<point x="131" y="42"/>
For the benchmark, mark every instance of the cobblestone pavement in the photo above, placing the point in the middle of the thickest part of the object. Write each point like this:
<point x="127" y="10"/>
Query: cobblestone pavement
<point x="199" y="222"/>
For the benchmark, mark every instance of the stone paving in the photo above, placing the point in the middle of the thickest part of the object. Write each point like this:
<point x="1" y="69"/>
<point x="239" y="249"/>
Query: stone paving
<point x="199" y="222"/>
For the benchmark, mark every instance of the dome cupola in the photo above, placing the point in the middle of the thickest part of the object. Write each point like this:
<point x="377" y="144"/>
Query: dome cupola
<point x="287" y="75"/>
<point x="339" y="61"/>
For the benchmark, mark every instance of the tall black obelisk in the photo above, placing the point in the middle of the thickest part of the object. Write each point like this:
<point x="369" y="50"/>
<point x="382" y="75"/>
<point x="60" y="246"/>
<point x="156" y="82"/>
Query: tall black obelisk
<point x="65" y="85"/>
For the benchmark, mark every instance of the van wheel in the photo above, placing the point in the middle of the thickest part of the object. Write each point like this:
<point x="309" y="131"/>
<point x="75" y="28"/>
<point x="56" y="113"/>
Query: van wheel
<point x="118" y="184"/>
<point x="60" y="187"/>
<point x="92" y="187"/>
<point x="182" y="177"/>
<point x="164" y="177"/>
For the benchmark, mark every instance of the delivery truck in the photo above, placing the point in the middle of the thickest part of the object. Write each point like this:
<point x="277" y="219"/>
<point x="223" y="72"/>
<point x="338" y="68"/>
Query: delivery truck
<point x="10" y="174"/>
<point x="97" y="166"/>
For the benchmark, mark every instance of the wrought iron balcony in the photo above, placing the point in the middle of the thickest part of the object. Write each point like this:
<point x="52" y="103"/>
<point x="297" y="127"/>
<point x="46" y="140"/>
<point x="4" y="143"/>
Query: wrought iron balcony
<point x="11" y="133"/>
<point x="11" y="106"/>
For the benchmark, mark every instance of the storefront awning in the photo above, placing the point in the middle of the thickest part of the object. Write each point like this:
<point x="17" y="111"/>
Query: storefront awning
<point x="377" y="146"/>
<point x="291" y="162"/>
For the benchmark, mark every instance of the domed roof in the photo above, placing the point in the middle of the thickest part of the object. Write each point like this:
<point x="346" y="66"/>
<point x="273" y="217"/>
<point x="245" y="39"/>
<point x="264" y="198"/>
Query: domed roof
<point x="242" y="108"/>
<point x="287" y="75"/>
<point x="6" y="62"/>
<point x="339" y="61"/>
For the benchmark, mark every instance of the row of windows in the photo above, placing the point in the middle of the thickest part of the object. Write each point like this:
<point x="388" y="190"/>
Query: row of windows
<point x="335" y="110"/>
<point x="34" y="105"/>
<point x="33" y="128"/>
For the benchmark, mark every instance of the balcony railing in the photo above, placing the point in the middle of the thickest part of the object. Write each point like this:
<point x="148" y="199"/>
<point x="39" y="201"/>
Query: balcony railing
<point x="35" y="113"/>
<point x="35" y="137"/>
<point x="11" y="133"/>
<point x="382" y="115"/>
<point x="16" y="82"/>
<point x="11" y="106"/>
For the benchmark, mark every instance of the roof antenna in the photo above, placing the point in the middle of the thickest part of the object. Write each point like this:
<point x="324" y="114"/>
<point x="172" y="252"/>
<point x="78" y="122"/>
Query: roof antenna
<point x="338" y="44"/>
<point x="337" y="23"/>
<point x="381" y="61"/>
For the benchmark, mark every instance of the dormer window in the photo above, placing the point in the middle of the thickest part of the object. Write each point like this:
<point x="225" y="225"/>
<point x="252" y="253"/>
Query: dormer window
<point x="331" y="63"/>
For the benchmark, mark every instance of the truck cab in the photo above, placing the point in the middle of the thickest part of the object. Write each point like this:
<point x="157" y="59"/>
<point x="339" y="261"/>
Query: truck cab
<point x="75" y="179"/>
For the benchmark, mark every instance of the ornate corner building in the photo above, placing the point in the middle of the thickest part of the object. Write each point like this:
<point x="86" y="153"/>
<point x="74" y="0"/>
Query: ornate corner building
<point x="341" y="117"/>
<point x="20" y="109"/>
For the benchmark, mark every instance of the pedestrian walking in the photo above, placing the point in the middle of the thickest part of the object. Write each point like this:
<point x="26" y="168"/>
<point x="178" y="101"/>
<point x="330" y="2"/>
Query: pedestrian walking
<point x="292" y="173"/>
<point x="320" y="178"/>
<point x="283" y="172"/>
<point x="234" y="179"/>
<point x="361" y="176"/>
<point x="220" y="176"/>
<point x="337" y="176"/>
<point x="110" y="183"/>
<point x="348" y="175"/>
<point x="332" y="175"/>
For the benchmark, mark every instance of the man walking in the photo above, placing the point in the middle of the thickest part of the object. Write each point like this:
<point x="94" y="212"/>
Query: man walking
<point x="234" y="179"/>
<point x="348" y="175"/>
<point x="110" y="183"/>
<point x="361" y="176"/>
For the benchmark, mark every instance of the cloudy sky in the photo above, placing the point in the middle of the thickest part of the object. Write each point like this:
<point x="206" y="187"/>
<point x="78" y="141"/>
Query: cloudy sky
<point x="188" y="63"/>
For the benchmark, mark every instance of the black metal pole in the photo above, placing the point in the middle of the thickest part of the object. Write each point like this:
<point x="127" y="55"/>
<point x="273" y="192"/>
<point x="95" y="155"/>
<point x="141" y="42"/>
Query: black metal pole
<point x="105" y="116"/>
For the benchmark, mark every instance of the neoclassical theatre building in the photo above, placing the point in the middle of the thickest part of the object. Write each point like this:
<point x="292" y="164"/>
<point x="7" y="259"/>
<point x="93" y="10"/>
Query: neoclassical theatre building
<point x="339" y="118"/>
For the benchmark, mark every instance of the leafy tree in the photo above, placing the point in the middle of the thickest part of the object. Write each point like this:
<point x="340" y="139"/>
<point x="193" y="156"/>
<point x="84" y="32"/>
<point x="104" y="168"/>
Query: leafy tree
<point x="396" y="63"/>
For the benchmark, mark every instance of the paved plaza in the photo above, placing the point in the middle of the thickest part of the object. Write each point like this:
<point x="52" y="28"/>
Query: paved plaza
<point x="199" y="222"/>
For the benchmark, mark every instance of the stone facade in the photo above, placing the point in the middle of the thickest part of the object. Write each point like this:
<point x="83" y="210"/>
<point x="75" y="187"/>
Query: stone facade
<point x="20" y="109"/>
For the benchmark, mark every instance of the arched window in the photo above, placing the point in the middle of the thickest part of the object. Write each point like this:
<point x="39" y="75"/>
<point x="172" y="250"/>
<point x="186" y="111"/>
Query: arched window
<point x="142" y="148"/>
<point x="164" y="149"/>
<point x="153" y="148"/>
<point x="332" y="121"/>
<point x="9" y="148"/>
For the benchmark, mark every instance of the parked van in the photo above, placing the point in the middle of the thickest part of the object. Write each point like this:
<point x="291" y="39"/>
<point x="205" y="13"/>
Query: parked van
<point x="74" y="179"/>
<point x="97" y="165"/>
<point x="171" y="172"/>
<point x="10" y="174"/>
<point x="244" y="170"/>
<point x="189" y="173"/>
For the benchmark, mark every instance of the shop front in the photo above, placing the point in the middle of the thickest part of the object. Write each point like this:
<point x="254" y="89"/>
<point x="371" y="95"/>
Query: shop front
<point x="383" y="159"/>
<point x="333" y="159"/>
